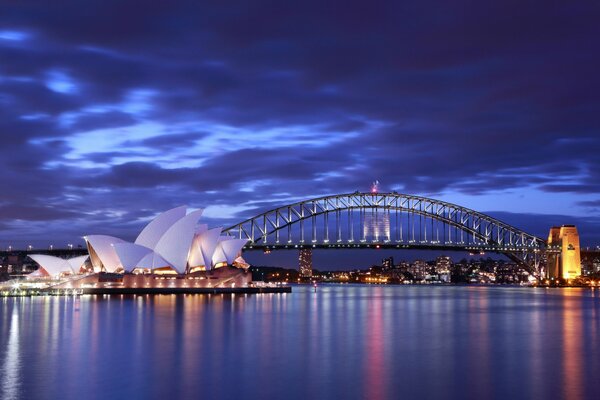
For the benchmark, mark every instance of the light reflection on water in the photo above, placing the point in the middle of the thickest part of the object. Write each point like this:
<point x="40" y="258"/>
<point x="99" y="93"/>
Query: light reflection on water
<point x="351" y="342"/>
<point x="12" y="363"/>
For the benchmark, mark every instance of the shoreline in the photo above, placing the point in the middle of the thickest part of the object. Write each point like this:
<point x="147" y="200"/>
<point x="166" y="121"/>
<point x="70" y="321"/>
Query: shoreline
<point x="145" y="291"/>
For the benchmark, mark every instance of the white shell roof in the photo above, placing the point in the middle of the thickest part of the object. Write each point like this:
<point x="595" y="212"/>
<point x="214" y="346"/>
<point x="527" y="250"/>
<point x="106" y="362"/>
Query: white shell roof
<point x="76" y="263"/>
<point x="131" y="254"/>
<point x="232" y="248"/>
<point x="219" y="255"/>
<point x="154" y="231"/>
<point x="55" y="265"/>
<point x="201" y="228"/>
<point x="135" y="256"/>
<point x="103" y="246"/>
<point x="174" y="246"/>
<point x="228" y="249"/>
<point x="173" y="239"/>
<point x="153" y="260"/>
<point x="52" y="265"/>
<point x="203" y="247"/>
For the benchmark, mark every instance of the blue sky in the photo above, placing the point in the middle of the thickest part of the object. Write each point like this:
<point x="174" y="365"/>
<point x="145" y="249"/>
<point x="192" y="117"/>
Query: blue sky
<point x="113" y="113"/>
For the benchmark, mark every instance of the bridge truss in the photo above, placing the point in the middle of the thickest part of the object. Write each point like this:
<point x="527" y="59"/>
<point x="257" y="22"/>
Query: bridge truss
<point x="386" y="220"/>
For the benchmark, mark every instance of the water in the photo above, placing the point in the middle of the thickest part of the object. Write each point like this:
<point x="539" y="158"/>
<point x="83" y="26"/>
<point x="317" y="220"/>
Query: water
<point x="344" y="342"/>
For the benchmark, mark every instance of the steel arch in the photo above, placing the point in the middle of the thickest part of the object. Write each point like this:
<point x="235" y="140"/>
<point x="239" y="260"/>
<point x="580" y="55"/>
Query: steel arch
<point x="477" y="230"/>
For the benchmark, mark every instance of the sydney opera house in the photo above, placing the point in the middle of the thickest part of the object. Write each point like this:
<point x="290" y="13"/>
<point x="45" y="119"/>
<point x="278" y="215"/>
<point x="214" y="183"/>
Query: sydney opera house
<point x="56" y="267"/>
<point x="174" y="250"/>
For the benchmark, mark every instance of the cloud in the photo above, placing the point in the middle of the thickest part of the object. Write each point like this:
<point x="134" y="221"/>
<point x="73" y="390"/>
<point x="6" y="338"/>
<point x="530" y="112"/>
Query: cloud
<point x="90" y="121"/>
<point x="172" y="141"/>
<point x="256" y="105"/>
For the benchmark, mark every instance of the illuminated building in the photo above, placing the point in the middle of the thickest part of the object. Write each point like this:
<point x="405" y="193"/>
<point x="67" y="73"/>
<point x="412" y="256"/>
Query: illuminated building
<point x="443" y="265"/>
<point x="564" y="260"/>
<point x="54" y="267"/>
<point x="570" y="255"/>
<point x="387" y="263"/>
<point x="305" y="262"/>
<point x="172" y="253"/>
<point x="419" y="269"/>
<point x="172" y="243"/>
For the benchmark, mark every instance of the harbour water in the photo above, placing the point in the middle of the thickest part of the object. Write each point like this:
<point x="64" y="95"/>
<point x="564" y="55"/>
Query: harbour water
<point x="342" y="341"/>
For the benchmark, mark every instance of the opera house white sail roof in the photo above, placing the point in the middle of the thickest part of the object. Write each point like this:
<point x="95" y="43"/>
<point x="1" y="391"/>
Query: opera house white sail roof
<point x="55" y="266"/>
<point x="172" y="240"/>
<point x="227" y="250"/>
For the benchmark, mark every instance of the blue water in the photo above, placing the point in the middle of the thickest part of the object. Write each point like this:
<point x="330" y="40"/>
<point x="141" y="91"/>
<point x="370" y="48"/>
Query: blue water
<point x="343" y="342"/>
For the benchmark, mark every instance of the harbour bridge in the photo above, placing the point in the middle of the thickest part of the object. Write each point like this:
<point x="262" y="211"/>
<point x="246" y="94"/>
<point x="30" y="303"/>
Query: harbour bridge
<point x="387" y="220"/>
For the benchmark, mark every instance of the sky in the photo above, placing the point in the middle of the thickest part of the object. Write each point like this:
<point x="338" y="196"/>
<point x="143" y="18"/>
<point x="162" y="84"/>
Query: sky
<point x="113" y="112"/>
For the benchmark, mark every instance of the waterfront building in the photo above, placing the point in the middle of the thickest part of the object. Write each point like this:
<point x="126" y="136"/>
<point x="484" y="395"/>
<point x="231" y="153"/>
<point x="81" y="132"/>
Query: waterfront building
<point x="172" y="243"/>
<point x="443" y="264"/>
<point x="55" y="267"/>
<point x="387" y="263"/>
<point x="564" y="258"/>
<point x="172" y="253"/>
<point x="305" y="263"/>
<point x="570" y="254"/>
<point x="419" y="270"/>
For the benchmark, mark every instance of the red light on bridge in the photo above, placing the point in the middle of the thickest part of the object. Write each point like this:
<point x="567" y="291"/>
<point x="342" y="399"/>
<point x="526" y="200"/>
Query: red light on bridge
<point x="375" y="187"/>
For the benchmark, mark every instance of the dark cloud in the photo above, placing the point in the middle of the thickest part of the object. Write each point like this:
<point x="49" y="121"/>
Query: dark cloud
<point x="34" y="213"/>
<point x="101" y="120"/>
<point x="591" y="203"/>
<point x="206" y="103"/>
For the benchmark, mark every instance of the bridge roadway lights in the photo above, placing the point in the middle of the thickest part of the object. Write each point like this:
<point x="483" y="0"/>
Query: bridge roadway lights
<point x="474" y="249"/>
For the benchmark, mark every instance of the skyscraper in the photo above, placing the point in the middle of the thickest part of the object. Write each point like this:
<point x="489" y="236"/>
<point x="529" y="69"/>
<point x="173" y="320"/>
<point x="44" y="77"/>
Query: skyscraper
<point x="387" y="263"/>
<point x="565" y="264"/>
<point x="305" y="262"/>
<point x="570" y="255"/>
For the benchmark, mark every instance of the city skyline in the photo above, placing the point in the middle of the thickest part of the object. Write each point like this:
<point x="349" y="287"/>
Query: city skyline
<point x="246" y="110"/>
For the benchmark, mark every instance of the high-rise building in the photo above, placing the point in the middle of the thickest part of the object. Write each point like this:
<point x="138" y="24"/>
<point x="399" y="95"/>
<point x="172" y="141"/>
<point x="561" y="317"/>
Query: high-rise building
<point x="419" y="269"/>
<point x="387" y="263"/>
<point x="570" y="255"/>
<point x="443" y="265"/>
<point x="564" y="261"/>
<point x="305" y="262"/>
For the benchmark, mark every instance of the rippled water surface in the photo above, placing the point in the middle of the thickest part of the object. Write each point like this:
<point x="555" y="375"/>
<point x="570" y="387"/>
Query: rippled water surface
<point x="344" y="342"/>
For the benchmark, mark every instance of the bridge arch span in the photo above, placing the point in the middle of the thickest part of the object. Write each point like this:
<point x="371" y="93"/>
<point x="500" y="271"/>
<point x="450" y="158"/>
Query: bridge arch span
<point x="359" y="220"/>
